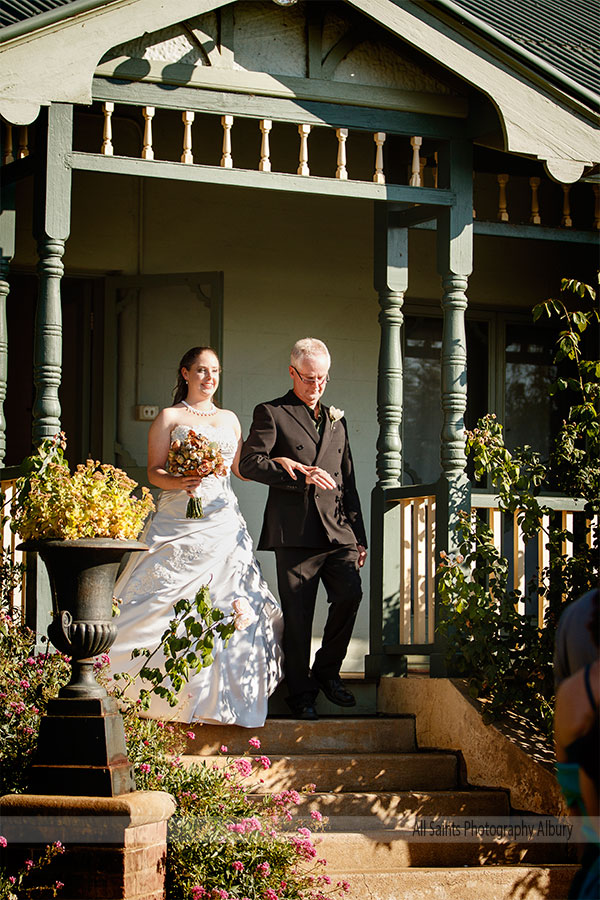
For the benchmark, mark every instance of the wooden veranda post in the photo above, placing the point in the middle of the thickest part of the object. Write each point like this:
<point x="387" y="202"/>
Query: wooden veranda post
<point x="455" y="264"/>
<point x="52" y="226"/>
<point x="391" y="282"/>
<point x="7" y="249"/>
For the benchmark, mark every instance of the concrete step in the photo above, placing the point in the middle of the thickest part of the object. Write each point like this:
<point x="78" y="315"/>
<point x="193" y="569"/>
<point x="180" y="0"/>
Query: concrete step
<point x="364" y="690"/>
<point x="388" y="850"/>
<point x="486" y="883"/>
<point x="352" y="772"/>
<point x="288" y="737"/>
<point x="355" y="810"/>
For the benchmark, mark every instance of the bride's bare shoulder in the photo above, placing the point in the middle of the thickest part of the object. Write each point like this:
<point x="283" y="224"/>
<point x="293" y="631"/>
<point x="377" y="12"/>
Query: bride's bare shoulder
<point x="228" y="417"/>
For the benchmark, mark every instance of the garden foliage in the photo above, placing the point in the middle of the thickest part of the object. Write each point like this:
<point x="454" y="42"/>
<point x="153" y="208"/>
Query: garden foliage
<point x="504" y="655"/>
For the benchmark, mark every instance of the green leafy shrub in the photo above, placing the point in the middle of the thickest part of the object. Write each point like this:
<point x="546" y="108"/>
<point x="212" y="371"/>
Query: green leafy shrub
<point x="506" y="658"/>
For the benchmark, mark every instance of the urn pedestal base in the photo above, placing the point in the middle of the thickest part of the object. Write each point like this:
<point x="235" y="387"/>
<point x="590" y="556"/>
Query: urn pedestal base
<point x="115" y="847"/>
<point x="81" y="750"/>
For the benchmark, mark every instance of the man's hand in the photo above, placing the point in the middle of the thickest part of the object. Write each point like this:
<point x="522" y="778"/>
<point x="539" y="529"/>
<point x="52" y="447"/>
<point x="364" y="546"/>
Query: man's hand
<point x="312" y="474"/>
<point x="362" y="555"/>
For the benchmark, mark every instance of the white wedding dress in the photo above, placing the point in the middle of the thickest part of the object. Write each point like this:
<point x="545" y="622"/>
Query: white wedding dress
<point x="185" y="554"/>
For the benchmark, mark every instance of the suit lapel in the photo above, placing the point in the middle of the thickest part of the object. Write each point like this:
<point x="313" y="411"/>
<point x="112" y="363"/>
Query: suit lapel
<point x="327" y="434"/>
<point x="298" y="411"/>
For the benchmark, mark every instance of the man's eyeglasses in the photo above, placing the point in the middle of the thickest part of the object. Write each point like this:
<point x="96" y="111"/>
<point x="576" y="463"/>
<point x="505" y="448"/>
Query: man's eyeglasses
<point x="319" y="379"/>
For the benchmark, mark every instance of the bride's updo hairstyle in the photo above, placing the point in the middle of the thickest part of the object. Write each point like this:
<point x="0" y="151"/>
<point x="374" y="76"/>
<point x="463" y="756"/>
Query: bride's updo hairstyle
<point x="187" y="361"/>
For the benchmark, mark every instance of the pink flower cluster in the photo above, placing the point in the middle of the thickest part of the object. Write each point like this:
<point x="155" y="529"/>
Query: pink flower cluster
<point x="245" y="826"/>
<point x="243" y="766"/>
<point x="263" y="869"/>
<point x="263" y="761"/>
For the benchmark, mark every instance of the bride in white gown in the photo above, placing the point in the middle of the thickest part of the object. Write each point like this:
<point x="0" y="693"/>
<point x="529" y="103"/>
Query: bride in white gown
<point x="187" y="553"/>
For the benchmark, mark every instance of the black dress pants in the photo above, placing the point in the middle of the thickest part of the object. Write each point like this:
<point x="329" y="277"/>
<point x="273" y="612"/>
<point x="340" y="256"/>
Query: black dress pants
<point x="299" y="570"/>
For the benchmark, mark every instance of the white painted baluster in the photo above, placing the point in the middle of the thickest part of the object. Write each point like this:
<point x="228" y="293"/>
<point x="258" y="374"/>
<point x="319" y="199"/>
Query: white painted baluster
<point x="519" y="578"/>
<point x="227" y="159"/>
<point x="187" y="119"/>
<point x="405" y="570"/>
<point x="9" y="155"/>
<point x="495" y="524"/>
<point x="379" y="138"/>
<point x="419" y="570"/>
<point x="415" y="175"/>
<point x="23" y="142"/>
<point x="431" y="570"/>
<point x="303" y="131"/>
<point x="596" y="188"/>
<point x="341" y="172"/>
<point x="543" y="564"/>
<point x="265" y="151"/>
<point x="535" y="217"/>
<point x="107" y="146"/>
<point x="566" y="221"/>
<point x="502" y="205"/>
<point x="148" y="113"/>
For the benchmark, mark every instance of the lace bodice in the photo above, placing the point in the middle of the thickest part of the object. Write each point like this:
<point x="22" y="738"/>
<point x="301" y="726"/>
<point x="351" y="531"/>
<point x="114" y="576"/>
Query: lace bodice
<point x="223" y="435"/>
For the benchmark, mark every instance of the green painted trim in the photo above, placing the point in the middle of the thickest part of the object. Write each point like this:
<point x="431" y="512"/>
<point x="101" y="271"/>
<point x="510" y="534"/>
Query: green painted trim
<point x="252" y="106"/>
<point x="95" y="162"/>
<point x="527" y="232"/>
<point x="487" y="500"/>
<point x="285" y="86"/>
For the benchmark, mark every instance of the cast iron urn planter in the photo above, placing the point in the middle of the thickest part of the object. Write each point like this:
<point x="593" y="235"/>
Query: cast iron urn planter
<point x="81" y="748"/>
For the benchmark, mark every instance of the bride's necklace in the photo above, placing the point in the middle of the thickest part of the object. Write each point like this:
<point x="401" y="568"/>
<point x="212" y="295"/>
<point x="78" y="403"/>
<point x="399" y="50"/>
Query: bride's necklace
<point x="201" y="412"/>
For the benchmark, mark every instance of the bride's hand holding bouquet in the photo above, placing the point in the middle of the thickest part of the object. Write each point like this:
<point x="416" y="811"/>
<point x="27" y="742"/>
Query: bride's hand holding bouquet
<point x="198" y="457"/>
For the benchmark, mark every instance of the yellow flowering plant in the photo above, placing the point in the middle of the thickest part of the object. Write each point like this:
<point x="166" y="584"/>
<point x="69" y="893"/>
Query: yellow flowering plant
<point x="96" y="500"/>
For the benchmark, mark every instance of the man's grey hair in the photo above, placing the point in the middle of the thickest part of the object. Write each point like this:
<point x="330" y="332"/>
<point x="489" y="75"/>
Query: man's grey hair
<point x="308" y="347"/>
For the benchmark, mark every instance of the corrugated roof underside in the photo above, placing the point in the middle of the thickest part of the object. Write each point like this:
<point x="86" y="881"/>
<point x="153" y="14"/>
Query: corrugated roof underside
<point x="12" y="11"/>
<point x="564" y="33"/>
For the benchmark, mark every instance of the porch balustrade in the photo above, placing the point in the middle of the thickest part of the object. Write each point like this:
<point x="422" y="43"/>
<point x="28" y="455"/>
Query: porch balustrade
<point x="12" y="556"/>
<point x="409" y="608"/>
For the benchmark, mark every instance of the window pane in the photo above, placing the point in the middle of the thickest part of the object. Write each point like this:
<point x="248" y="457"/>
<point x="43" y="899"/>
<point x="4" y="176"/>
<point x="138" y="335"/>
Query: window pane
<point x="530" y="414"/>
<point x="422" y="392"/>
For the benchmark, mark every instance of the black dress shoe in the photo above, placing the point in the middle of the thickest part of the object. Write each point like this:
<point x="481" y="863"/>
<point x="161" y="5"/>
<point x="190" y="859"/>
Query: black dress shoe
<point x="303" y="708"/>
<point x="306" y="712"/>
<point x="335" y="691"/>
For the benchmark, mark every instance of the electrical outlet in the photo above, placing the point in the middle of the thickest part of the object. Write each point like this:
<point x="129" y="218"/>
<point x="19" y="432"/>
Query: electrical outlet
<point x="145" y="412"/>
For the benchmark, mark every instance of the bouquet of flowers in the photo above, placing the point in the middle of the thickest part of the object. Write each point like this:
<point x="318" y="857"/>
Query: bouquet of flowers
<point x="195" y="455"/>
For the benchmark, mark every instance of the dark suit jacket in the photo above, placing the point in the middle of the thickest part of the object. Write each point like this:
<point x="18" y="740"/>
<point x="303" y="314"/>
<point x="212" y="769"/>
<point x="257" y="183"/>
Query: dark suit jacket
<point x="297" y="514"/>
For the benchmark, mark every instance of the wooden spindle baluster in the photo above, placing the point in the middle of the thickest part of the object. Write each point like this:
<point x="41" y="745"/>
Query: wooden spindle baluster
<point x="148" y="113"/>
<point x="415" y="175"/>
<point x="566" y="221"/>
<point x="535" y="217"/>
<point x="265" y="151"/>
<point x="341" y="172"/>
<point x="596" y="188"/>
<point x="107" y="146"/>
<point x="422" y="167"/>
<point x="9" y="155"/>
<point x="435" y="169"/>
<point x="187" y="119"/>
<point x="502" y="204"/>
<point x="227" y="159"/>
<point x="23" y="142"/>
<point x="379" y="138"/>
<point x="303" y="131"/>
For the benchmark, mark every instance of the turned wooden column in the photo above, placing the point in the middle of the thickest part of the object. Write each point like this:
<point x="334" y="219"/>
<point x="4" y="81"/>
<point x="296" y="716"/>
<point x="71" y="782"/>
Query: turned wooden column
<point x="51" y="226"/>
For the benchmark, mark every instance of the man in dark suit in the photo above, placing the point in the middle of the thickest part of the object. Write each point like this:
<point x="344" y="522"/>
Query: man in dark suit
<point x="313" y="522"/>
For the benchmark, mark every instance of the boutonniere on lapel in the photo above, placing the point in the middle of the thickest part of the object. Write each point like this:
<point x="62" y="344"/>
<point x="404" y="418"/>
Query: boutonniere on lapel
<point x="335" y="415"/>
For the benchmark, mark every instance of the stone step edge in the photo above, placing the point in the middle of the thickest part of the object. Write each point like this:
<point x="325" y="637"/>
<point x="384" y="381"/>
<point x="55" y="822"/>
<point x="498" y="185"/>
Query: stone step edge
<point x="398" y="758"/>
